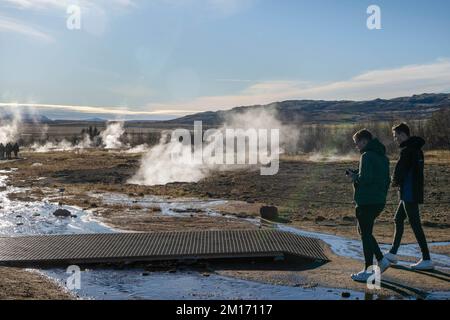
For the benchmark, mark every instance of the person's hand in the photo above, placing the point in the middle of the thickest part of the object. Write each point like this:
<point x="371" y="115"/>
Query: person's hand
<point x="351" y="175"/>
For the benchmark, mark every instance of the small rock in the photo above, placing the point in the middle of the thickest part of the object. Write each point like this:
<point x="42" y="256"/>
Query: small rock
<point x="345" y="294"/>
<point x="269" y="212"/>
<point x="349" y="219"/>
<point x="73" y="216"/>
<point x="205" y="274"/>
<point x="320" y="219"/>
<point x="18" y="216"/>
<point x="19" y="224"/>
<point x="62" y="213"/>
<point x="145" y="274"/>
<point x="172" y="270"/>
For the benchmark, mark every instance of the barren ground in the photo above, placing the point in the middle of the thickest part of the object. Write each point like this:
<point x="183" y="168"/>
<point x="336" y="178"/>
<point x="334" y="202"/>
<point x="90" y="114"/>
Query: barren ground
<point x="310" y="195"/>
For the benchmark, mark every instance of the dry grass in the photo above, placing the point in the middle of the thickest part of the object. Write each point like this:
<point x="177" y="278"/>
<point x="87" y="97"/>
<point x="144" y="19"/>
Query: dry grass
<point x="20" y="284"/>
<point x="312" y="195"/>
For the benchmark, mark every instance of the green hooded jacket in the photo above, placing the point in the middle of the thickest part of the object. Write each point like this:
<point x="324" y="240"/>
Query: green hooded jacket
<point x="372" y="181"/>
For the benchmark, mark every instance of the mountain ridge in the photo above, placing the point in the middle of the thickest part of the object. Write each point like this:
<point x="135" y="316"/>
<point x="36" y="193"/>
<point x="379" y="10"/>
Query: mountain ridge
<point x="419" y="106"/>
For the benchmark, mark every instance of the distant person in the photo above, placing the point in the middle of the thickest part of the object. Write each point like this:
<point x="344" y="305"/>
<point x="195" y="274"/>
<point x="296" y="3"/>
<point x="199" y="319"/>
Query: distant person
<point x="8" y="150"/>
<point x="2" y="151"/>
<point x="371" y="183"/>
<point x="408" y="178"/>
<point x="15" y="149"/>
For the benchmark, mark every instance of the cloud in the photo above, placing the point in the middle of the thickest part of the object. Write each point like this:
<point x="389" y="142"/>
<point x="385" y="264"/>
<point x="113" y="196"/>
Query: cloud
<point x="17" y="26"/>
<point x="95" y="13"/>
<point x="36" y="4"/>
<point x="386" y="83"/>
<point x="63" y="4"/>
<point x="95" y="110"/>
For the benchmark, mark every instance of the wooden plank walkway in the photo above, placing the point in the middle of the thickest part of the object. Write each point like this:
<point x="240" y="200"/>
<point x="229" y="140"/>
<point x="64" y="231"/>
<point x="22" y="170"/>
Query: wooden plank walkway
<point x="155" y="246"/>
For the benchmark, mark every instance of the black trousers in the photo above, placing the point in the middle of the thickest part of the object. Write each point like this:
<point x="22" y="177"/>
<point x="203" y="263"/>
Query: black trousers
<point x="366" y="215"/>
<point x="410" y="210"/>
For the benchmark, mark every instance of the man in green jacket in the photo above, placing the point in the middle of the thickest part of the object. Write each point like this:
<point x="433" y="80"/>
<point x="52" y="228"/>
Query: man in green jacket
<point x="371" y="183"/>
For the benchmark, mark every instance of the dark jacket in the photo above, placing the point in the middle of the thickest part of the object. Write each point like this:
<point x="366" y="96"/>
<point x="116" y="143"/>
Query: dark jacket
<point x="408" y="173"/>
<point x="372" y="181"/>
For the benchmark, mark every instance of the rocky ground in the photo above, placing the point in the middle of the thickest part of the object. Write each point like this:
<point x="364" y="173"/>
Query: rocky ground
<point x="310" y="195"/>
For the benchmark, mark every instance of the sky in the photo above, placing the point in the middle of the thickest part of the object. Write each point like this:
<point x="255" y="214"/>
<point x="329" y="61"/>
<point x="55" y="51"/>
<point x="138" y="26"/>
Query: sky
<point x="159" y="59"/>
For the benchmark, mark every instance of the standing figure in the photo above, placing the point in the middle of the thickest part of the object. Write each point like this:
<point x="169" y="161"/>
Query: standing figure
<point x="2" y="151"/>
<point x="371" y="183"/>
<point x="8" y="150"/>
<point x="409" y="179"/>
<point x="16" y="150"/>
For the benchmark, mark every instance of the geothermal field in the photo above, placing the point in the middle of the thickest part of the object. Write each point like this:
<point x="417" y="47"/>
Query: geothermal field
<point x="114" y="178"/>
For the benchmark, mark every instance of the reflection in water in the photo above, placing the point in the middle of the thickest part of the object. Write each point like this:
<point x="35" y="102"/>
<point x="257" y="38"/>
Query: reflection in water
<point x="353" y="248"/>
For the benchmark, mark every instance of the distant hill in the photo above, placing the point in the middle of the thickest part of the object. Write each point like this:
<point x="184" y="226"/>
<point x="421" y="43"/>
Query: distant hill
<point x="25" y="117"/>
<point x="96" y="119"/>
<point x="320" y="111"/>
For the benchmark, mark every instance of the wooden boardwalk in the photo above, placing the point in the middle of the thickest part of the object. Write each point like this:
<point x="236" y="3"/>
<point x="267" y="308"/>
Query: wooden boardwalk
<point x="155" y="246"/>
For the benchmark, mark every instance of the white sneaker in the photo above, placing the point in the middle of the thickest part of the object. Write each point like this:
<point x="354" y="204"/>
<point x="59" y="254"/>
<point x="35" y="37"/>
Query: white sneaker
<point x="393" y="259"/>
<point x="423" y="265"/>
<point x="361" y="276"/>
<point x="384" y="264"/>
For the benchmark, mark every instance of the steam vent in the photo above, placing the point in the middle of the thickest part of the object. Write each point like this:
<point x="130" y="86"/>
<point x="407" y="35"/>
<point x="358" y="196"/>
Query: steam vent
<point x="155" y="246"/>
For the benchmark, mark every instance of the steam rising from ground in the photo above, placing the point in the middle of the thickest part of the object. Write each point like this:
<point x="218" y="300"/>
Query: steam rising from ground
<point x="158" y="165"/>
<point x="9" y="128"/>
<point x="9" y="131"/>
<point x="332" y="156"/>
<point x="139" y="149"/>
<point x="112" y="134"/>
<point x="110" y="138"/>
<point x="62" y="145"/>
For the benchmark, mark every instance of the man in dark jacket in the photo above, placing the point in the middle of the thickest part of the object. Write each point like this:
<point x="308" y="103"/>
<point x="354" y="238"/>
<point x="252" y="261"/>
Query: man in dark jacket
<point x="408" y="178"/>
<point x="2" y="151"/>
<point x="371" y="184"/>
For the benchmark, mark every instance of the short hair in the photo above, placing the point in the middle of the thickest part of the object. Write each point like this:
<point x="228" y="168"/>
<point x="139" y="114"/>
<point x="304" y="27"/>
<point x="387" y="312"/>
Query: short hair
<point x="363" y="134"/>
<point x="402" y="127"/>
